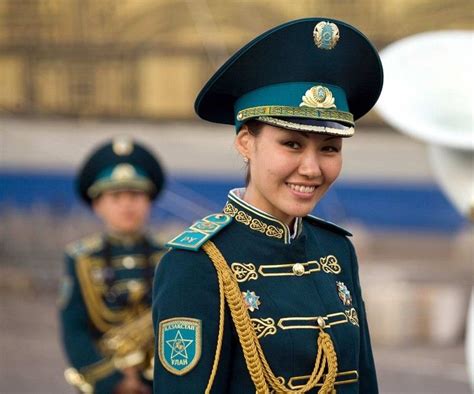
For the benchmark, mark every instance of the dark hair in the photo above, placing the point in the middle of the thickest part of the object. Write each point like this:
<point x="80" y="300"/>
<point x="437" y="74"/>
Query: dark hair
<point x="254" y="127"/>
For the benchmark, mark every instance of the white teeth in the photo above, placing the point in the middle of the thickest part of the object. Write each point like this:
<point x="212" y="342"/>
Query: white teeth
<point x="301" y="188"/>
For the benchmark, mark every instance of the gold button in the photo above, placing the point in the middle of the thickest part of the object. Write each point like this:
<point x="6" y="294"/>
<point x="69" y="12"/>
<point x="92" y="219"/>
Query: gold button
<point x="321" y="322"/>
<point x="239" y="116"/>
<point x="298" y="269"/>
<point x="129" y="262"/>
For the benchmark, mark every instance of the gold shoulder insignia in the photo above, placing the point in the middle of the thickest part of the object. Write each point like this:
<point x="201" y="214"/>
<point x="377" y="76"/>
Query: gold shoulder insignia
<point x="86" y="245"/>
<point x="327" y="225"/>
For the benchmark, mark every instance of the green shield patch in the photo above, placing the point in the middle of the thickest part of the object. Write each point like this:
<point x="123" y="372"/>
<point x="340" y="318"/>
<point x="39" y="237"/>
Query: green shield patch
<point x="179" y="344"/>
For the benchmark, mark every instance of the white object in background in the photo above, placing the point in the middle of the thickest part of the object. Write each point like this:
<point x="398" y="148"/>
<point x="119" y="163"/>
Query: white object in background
<point x="428" y="87"/>
<point x="428" y="94"/>
<point x="454" y="171"/>
<point x="470" y="340"/>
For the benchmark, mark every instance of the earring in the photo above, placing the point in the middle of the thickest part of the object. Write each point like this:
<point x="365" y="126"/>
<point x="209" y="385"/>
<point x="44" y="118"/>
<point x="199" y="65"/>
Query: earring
<point x="246" y="159"/>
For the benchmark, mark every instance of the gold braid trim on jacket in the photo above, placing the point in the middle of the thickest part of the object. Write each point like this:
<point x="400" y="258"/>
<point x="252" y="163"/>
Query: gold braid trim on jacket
<point x="100" y="314"/>
<point x="260" y="372"/>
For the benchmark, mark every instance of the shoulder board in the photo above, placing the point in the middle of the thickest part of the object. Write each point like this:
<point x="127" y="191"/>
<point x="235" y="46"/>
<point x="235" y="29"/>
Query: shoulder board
<point x="86" y="245"/>
<point x="196" y="235"/>
<point x="327" y="225"/>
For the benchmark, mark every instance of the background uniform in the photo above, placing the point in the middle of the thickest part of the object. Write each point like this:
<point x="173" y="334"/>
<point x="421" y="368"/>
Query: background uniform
<point x="106" y="290"/>
<point x="109" y="280"/>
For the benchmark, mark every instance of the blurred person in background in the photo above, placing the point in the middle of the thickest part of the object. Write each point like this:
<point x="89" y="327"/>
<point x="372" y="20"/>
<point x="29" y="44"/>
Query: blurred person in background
<point x="108" y="277"/>
<point x="265" y="297"/>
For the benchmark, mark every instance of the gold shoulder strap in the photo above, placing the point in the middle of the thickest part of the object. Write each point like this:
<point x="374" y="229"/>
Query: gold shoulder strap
<point x="260" y="372"/>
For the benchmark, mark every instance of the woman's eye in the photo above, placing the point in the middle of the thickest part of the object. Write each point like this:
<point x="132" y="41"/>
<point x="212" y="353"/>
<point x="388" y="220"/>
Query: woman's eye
<point x="292" y="144"/>
<point x="334" y="149"/>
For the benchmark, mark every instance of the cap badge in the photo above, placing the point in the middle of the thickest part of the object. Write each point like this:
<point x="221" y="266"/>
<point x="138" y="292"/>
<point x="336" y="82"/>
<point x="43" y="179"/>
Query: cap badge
<point x="122" y="146"/>
<point x="251" y="300"/>
<point x="326" y="35"/>
<point x="344" y="293"/>
<point x="123" y="172"/>
<point x="318" y="97"/>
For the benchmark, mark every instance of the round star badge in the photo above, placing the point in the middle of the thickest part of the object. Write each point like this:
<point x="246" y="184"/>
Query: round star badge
<point x="251" y="300"/>
<point x="344" y="293"/>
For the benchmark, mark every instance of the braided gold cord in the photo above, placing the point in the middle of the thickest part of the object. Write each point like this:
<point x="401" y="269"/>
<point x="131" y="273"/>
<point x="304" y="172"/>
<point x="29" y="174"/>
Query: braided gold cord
<point x="101" y="316"/>
<point x="238" y="312"/>
<point x="257" y="364"/>
<point x="220" y="335"/>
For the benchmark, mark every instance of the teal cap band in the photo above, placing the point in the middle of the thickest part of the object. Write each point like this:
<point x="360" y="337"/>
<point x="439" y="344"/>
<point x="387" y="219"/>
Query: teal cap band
<point x="310" y="100"/>
<point x="122" y="176"/>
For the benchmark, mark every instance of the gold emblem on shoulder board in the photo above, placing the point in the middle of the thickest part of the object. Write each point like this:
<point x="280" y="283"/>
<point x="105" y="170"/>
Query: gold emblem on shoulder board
<point x="122" y="146"/>
<point x="326" y="35"/>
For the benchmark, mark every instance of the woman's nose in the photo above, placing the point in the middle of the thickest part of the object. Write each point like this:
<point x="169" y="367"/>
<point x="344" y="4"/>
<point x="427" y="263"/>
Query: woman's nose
<point x="309" y="165"/>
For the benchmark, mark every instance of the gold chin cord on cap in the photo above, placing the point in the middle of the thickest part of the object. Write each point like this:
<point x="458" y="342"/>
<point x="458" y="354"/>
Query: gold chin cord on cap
<point x="262" y="376"/>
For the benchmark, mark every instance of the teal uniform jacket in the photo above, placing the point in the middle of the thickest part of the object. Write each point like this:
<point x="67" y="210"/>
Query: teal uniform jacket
<point x="286" y="282"/>
<point x="107" y="281"/>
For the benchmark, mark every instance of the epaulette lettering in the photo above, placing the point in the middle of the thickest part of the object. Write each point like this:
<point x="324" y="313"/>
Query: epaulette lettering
<point x="196" y="235"/>
<point x="328" y="225"/>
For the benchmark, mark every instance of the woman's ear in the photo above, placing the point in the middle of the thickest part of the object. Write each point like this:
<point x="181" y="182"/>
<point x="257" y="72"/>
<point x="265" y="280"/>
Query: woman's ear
<point x="243" y="142"/>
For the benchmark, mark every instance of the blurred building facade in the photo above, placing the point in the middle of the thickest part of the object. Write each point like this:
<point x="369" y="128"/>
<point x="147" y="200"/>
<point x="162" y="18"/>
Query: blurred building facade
<point x="148" y="58"/>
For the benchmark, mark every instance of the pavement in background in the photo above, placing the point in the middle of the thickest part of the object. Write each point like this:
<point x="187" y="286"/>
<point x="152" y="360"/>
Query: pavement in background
<point x="31" y="360"/>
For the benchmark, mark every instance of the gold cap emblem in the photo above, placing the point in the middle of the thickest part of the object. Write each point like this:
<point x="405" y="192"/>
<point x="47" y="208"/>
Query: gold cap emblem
<point x="122" y="146"/>
<point x="123" y="172"/>
<point x="318" y="97"/>
<point x="326" y="35"/>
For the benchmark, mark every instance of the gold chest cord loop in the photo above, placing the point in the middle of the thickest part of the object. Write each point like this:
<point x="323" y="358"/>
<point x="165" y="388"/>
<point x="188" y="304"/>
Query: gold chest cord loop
<point x="260" y="372"/>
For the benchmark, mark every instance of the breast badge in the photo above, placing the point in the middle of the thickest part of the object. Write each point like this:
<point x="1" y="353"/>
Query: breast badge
<point x="344" y="293"/>
<point x="251" y="300"/>
<point x="179" y="344"/>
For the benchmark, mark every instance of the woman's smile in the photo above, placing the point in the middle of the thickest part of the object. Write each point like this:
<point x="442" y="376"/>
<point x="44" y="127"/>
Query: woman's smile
<point x="302" y="190"/>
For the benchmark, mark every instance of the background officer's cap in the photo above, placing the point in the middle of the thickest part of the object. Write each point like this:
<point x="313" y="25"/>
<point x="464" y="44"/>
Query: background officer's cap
<point x="314" y="74"/>
<point x="121" y="164"/>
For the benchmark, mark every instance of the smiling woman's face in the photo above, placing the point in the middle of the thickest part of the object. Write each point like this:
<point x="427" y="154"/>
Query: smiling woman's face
<point x="290" y="171"/>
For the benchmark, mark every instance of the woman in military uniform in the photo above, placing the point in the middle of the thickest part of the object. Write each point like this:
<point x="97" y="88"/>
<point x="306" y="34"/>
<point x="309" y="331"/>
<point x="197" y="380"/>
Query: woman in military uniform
<point x="106" y="290"/>
<point x="264" y="297"/>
